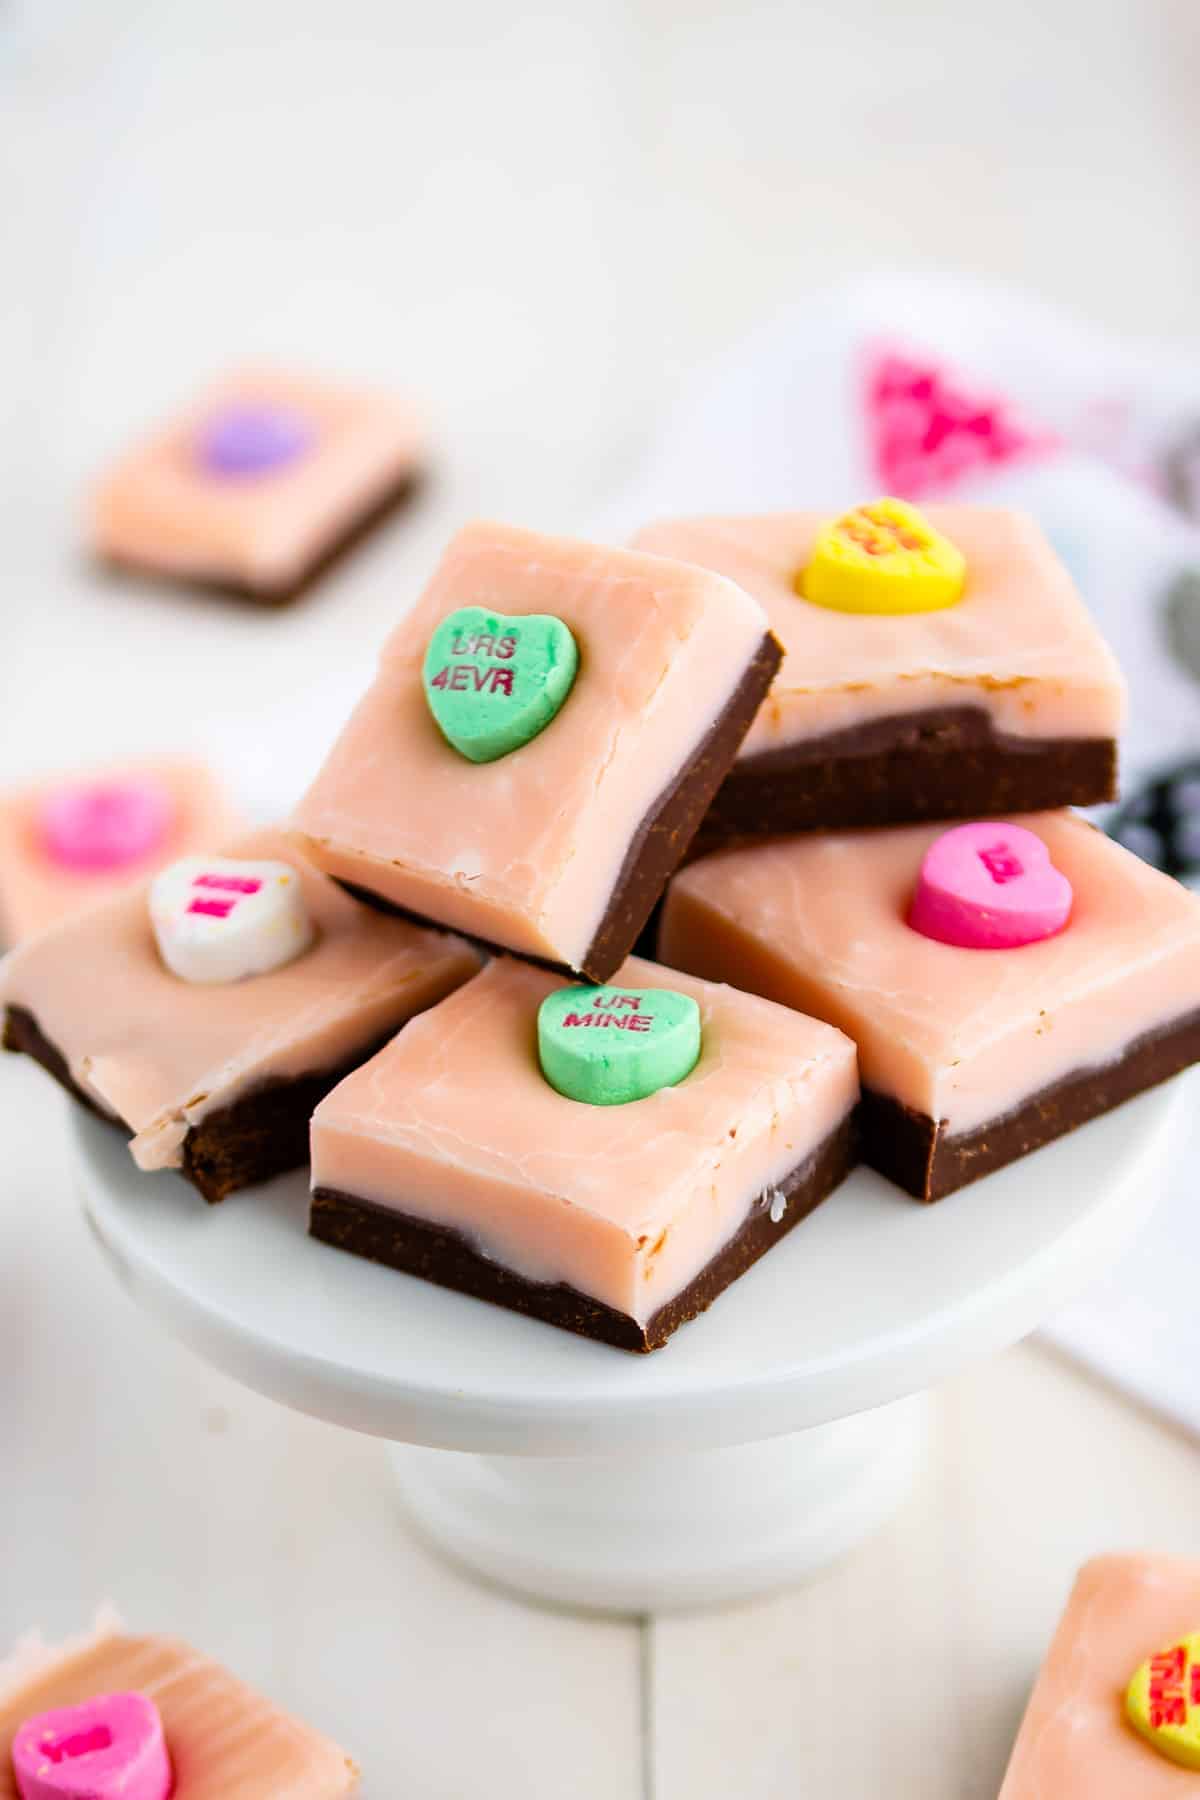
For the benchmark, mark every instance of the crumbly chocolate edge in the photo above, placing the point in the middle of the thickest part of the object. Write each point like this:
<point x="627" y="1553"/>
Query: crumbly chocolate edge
<point x="940" y="763"/>
<point x="918" y="1153"/>
<point x="394" y="499"/>
<point x="446" y="1257"/>
<point x="263" y="1133"/>
<point x="659" y="844"/>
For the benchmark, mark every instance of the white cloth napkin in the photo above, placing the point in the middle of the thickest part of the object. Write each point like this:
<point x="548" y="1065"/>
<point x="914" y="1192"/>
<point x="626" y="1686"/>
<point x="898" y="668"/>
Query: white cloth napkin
<point x="937" y="387"/>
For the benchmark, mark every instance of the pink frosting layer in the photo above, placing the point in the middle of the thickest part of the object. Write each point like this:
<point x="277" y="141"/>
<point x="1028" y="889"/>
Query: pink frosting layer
<point x="160" y="1053"/>
<point x="1020" y="644"/>
<point x="225" y="1741"/>
<point x="962" y="1035"/>
<point x="454" y="1122"/>
<point x="526" y="851"/>
<point x="159" y="509"/>
<point x="36" y="892"/>
<point x="1074" y="1743"/>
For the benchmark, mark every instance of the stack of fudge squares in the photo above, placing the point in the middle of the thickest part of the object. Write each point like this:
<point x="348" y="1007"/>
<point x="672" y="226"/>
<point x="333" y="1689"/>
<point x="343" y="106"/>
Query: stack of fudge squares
<point x="827" y="761"/>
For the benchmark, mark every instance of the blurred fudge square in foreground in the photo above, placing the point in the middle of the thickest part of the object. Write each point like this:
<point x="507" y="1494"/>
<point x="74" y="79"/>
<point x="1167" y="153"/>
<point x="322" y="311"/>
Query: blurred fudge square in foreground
<point x="635" y="678"/>
<point x="970" y="1057"/>
<point x="1006" y="701"/>
<point x="452" y="1157"/>
<point x="1076" y="1741"/>
<point x="258" y="484"/>
<point x="67" y="841"/>
<point x="224" y="1741"/>
<point x="219" y="1080"/>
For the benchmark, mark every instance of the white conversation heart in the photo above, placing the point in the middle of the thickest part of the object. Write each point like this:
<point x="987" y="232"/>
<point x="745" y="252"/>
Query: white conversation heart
<point x="222" y="918"/>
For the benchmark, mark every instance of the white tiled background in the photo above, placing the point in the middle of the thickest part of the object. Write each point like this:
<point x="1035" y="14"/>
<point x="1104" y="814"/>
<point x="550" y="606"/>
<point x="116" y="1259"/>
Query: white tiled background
<point x="542" y="220"/>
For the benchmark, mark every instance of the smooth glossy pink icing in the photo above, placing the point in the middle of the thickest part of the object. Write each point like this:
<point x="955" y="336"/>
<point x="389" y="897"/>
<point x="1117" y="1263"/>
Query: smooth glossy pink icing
<point x="159" y="508"/>
<point x="160" y="1053"/>
<point x="1020" y="644"/>
<point x="38" y="889"/>
<point x="820" y="923"/>
<point x="225" y="1741"/>
<point x="110" y="1747"/>
<point x="989" y="886"/>
<point x="1074" y="1743"/>
<point x="454" y="1122"/>
<point x="526" y="851"/>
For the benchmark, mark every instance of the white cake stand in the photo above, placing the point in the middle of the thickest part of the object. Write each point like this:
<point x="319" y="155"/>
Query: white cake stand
<point x="765" y="1440"/>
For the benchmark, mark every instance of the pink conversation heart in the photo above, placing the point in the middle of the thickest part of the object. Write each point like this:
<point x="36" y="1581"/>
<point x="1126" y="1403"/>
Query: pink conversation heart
<point x="989" y="887"/>
<point x="96" y="826"/>
<point x="109" y="1748"/>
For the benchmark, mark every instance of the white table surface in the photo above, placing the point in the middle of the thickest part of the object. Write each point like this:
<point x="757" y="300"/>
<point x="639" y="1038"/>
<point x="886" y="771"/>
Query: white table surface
<point x="540" y="223"/>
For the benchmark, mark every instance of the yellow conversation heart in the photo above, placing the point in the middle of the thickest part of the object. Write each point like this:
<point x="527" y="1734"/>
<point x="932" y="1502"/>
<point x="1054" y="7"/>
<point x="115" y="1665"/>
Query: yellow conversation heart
<point x="1162" y="1702"/>
<point x="883" y="558"/>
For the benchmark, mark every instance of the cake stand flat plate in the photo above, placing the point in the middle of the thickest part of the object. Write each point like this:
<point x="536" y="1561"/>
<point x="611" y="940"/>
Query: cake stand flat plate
<point x="872" y="1298"/>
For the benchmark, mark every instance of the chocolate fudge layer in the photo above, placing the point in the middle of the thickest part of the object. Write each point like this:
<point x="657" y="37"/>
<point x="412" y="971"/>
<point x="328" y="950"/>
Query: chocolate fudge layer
<point x="451" y="1156"/>
<point x="260" y="485"/>
<point x="261" y="1134"/>
<point x="947" y="763"/>
<point x="559" y="847"/>
<point x="225" y="1741"/>
<point x="448" y="1258"/>
<point x="921" y="1156"/>
<point x="219" y="1080"/>
<point x="970" y="1057"/>
<point x="1007" y="701"/>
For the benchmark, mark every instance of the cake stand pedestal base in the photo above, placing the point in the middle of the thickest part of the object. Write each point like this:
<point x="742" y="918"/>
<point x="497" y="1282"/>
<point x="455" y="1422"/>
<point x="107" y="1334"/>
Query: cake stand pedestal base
<point x="664" y="1531"/>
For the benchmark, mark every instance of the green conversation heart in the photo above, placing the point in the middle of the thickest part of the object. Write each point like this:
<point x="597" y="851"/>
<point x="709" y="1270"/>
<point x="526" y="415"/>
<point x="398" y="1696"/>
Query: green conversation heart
<point x="608" y="1045"/>
<point x="493" y="683"/>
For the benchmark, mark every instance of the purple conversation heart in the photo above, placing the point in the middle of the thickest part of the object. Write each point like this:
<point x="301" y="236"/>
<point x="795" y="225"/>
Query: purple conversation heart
<point x="253" y="440"/>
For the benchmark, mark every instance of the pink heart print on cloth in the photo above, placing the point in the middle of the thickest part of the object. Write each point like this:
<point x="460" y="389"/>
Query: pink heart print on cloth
<point x="990" y="886"/>
<point x="109" y="1748"/>
<point x="928" y="432"/>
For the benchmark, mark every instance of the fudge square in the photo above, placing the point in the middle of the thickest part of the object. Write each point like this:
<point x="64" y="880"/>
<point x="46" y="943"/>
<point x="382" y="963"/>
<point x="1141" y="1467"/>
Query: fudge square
<point x="1077" y="1741"/>
<point x="69" y="840"/>
<point x="218" y="1077"/>
<point x="1005" y="699"/>
<point x="224" y="1741"/>
<point x="258" y="483"/>
<point x="542" y="807"/>
<point x="451" y="1156"/>
<point x="970" y="1056"/>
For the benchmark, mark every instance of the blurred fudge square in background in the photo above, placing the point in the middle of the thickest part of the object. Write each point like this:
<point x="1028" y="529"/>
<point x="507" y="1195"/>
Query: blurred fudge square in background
<point x="225" y="1741"/>
<point x="69" y="840"/>
<point x="1075" y="1740"/>
<point x="258" y="484"/>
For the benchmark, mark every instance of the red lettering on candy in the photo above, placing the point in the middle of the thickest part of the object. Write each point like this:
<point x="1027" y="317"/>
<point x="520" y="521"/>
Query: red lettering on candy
<point x="441" y="678"/>
<point x="505" y="646"/>
<point x="1167" y="1703"/>
<point x="639" y="1021"/>
<point x="1001" y="864"/>
<point x="502" y="682"/>
<point x="212" y="908"/>
<point x="232" y="884"/>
